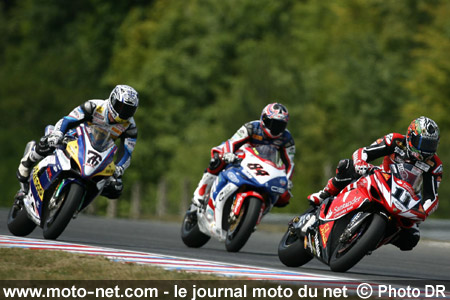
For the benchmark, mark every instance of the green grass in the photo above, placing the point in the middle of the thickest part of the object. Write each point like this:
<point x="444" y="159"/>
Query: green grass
<point x="25" y="268"/>
<point x="26" y="264"/>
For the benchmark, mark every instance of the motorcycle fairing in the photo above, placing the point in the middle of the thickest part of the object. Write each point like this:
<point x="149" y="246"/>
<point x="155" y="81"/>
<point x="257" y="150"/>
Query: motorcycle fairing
<point x="401" y="199"/>
<point x="90" y="161"/>
<point x="45" y="173"/>
<point x="252" y="171"/>
<point x="352" y="198"/>
<point x="49" y="169"/>
<point x="325" y="230"/>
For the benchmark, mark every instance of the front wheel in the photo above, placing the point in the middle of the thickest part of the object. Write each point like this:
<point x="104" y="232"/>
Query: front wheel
<point x="240" y="230"/>
<point x="18" y="222"/>
<point x="291" y="250"/>
<point x="58" y="219"/>
<point x="348" y="253"/>
<point x="190" y="232"/>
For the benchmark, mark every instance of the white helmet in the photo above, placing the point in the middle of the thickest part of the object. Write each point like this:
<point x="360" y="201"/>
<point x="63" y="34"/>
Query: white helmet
<point x="123" y="102"/>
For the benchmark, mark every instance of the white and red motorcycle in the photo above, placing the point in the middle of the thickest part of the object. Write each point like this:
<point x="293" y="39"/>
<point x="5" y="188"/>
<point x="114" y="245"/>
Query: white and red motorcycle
<point x="241" y="195"/>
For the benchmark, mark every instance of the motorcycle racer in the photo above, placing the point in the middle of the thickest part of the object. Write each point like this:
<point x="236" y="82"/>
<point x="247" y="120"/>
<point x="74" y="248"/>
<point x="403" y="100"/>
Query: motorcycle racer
<point x="418" y="147"/>
<point x="269" y="129"/>
<point x="114" y="114"/>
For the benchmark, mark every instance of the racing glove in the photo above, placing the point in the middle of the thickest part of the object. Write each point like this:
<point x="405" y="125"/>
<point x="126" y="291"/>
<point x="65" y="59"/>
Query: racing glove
<point x="118" y="172"/>
<point x="229" y="157"/>
<point x="362" y="167"/>
<point x="55" y="138"/>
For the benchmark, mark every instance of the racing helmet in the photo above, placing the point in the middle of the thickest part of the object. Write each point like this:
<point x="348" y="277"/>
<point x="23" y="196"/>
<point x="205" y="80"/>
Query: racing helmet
<point x="274" y="119"/>
<point x="123" y="102"/>
<point x="422" y="138"/>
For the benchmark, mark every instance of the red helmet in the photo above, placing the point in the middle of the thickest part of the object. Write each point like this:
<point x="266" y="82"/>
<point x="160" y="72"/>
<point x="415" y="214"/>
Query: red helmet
<point x="274" y="119"/>
<point x="422" y="138"/>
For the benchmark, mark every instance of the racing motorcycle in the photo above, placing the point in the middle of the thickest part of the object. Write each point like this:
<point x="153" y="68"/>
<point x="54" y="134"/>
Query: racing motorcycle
<point x="368" y="213"/>
<point x="65" y="182"/>
<point x="241" y="195"/>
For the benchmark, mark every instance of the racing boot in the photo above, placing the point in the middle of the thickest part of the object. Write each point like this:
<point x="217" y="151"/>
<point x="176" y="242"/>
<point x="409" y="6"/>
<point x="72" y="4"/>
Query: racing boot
<point x="203" y="189"/>
<point x="18" y="199"/>
<point x="27" y="162"/>
<point x="330" y="190"/>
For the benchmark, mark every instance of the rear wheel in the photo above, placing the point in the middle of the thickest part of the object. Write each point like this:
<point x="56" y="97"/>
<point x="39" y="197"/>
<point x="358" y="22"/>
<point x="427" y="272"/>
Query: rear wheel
<point x="348" y="253"/>
<point x="18" y="222"/>
<point x="59" y="217"/>
<point x="291" y="250"/>
<point x="240" y="230"/>
<point x="190" y="232"/>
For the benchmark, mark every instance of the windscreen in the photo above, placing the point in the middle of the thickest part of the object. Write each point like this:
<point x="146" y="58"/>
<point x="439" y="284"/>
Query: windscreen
<point x="269" y="152"/>
<point x="408" y="173"/>
<point x="99" y="137"/>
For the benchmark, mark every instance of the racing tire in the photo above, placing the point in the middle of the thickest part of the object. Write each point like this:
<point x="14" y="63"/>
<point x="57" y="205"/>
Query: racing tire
<point x="190" y="232"/>
<point x="239" y="233"/>
<point x="291" y="250"/>
<point x="369" y="235"/>
<point x="18" y="222"/>
<point x="54" y="226"/>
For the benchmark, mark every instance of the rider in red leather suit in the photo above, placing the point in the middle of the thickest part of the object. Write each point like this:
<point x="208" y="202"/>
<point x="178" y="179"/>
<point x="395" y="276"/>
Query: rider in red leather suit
<point x="419" y="146"/>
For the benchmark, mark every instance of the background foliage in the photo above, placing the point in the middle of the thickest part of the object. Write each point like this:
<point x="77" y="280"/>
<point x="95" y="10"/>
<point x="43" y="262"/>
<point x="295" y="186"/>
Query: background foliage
<point x="349" y="71"/>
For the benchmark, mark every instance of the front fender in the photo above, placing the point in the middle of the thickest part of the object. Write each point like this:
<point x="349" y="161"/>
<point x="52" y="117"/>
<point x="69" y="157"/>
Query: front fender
<point x="240" y="197"/>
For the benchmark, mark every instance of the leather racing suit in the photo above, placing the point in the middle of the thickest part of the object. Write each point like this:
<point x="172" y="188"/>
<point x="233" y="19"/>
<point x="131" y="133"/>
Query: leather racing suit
<point x="92" y="112"/>
<point x="393" y="148"/>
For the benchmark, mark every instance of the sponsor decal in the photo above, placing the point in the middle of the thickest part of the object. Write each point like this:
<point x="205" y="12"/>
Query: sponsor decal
<point x="225" y="191"/>
<point x="98" y="118"/>
<point x="37" y="183"/>
<point x="117" y="131"/>
<point x="239" y="199"/>
<point x="240" y="133"/>
<point x="400" y="151"/>
<point x="49" y="174"/>
<point x="278" y="190"/>
<point x="347" y="206"/>
<point x="257" y="137"/>
<point x="423" y="166"/>
<point x="233" y="177"/>
<point x="325" y="230"/>
<point x="75" y="114"/>
<point x="277" y="142"/>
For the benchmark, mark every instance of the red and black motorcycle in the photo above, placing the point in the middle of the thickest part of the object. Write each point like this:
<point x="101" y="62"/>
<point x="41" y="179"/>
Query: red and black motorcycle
<point x="367" y="214"/>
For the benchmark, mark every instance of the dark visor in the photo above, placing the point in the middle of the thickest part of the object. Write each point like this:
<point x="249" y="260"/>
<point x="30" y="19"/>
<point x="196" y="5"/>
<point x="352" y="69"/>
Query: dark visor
<point x="275" y="126"/>
<point x="124" y="110"/>
<point x="426" y="145"/>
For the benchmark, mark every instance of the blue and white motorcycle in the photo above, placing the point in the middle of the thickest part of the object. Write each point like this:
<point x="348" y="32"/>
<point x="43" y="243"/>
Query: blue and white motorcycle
<point x="65" y="182"/>
<point x="241" y="195"/>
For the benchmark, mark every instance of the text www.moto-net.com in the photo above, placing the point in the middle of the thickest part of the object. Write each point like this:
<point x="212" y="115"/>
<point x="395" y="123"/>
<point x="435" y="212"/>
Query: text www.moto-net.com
<point x="78" y="292"/>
